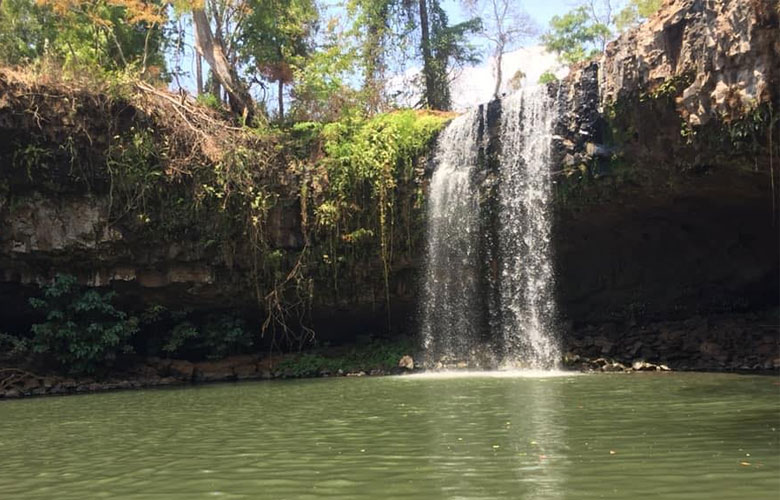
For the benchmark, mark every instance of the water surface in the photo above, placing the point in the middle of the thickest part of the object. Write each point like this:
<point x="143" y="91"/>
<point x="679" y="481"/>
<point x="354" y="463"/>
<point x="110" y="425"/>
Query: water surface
<point x="682" y="436"/>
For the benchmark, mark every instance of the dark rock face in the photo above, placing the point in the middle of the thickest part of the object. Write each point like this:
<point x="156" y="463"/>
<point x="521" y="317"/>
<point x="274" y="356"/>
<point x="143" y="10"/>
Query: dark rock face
<point x="655" y="222"/>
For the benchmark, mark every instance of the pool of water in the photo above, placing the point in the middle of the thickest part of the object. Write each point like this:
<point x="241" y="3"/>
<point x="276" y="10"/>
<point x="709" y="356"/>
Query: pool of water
<point x="681" y="436"/>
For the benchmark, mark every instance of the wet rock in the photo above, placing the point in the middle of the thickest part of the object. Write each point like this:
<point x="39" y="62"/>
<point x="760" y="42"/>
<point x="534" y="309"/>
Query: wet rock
<point x="613" y="367"/>
<point x="406" y="362"/>
<point x="246" y="371"/>
<point x="214" y="371"/>
<point x="181" y="369"/>
<point x="644" y="366"/>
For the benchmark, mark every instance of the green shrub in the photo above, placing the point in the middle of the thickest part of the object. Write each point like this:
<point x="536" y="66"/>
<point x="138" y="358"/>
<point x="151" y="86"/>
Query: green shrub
<point x="12" y="346"/>
<point x="83" y="330"/>
<point x="547" y="77"/>
<point x="216" y="337"/>
<point x="374" y="355"/>
<point x="210" y="101"/>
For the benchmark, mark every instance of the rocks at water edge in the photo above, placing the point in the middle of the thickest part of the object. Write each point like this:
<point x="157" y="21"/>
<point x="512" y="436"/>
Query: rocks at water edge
<point x="406" y="362"/>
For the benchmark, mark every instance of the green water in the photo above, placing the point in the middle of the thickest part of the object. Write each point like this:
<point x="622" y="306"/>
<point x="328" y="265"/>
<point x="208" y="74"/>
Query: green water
<point x="681" y="436"/>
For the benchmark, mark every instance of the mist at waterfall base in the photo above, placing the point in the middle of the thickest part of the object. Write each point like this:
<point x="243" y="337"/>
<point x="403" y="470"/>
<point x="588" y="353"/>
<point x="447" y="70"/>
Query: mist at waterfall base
<point x="488" y="285"/>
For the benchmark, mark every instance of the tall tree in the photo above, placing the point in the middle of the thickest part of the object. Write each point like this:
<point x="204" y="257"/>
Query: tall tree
<point x="111" y="34"/>
<point x="504" y="25"/>
<point x="635" y="12"/>
<point x="575" y="36"/>
<point x="442" y="47"/>
<point x="601" y="13"/>
<point x="277" y="39"/>
<point x="373" y="26"/>
<point x="216" y="46"/>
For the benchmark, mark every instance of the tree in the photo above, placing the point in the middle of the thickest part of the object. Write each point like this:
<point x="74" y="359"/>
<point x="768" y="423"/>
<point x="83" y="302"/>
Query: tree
<point x="373" y="26"/>
<point x="82" y="329"/>
<point x="635" y="12"/>
<point x="575" y="35"/>
<point x="217" y="47"/>
<point x="108" y="34"/>
<point x="442" y="46"/>
<point x="585" y="30"/>
<point x="504" y="24"/>
<point x="24" y="30"/>
<point x="601" y="14"/>
<point x="278" y="38"/>
<point x="320" y="89"/>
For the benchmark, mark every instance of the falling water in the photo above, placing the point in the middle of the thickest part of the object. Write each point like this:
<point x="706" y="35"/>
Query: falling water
<point x="527" y="302"/>
<point x="519" y="267"/>
<point x="450" y="291"/>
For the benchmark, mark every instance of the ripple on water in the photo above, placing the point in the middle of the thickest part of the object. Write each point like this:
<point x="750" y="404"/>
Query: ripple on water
<point x="497" y="435"/>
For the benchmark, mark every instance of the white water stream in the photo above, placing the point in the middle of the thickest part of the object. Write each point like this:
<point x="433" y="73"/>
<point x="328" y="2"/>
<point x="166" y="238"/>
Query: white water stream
<point x="523" y="336"/>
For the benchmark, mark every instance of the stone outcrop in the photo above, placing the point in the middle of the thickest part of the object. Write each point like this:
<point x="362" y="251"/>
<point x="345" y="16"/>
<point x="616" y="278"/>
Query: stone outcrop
<point x="723" y="56"/>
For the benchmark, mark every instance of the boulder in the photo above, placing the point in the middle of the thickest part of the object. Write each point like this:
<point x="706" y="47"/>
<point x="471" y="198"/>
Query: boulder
<point x="406" y="362"/>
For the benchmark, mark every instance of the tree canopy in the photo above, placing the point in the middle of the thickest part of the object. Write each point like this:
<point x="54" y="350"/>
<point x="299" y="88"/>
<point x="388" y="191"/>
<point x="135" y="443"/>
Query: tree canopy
<point x="297" y="60"/>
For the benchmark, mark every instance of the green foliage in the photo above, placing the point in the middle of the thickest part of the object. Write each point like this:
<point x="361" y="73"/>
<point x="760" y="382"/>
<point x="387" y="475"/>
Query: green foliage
<point x="210" y="101"/>
<point x="375" y="149"/>
<point x="25" y="31"/>
<point x="13" y="346"/>
<point x="99" y="37"/>
<point x="375" y="355"/>
<point x="182" y="334"/>
<point x="573" y="35"/>
<point x="635" y="12"/>
<point x="278" y="38"/>
<point x="321" y="80"/>
<point x="31" y="158"/>
<point x="82" y="329"/>
<point x="751" y="131"/>
<point x="547" y="77"/>
<point x="365" y="161"/>
<point x="669" y="88"/>
<point x="220" y="336"/>
<point x="449" y="46"/>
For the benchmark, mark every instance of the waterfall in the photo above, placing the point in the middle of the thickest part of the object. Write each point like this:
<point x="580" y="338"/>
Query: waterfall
<point x="464" y="265"/>
<point x="527" y="301"/>
<point x="450" y="294"/>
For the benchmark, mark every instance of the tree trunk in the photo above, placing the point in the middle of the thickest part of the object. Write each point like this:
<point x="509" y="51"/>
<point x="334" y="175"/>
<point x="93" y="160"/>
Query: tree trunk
<point x="499" y="73"/>
<point x="212" y="50"/>
<point x="425" y="45"/>
<point x="199" y="73"/>
<point x="281" y="100"/>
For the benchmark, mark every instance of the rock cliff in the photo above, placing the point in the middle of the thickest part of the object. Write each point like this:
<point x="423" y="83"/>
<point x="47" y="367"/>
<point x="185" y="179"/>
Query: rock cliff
<point x="666" y="201"/>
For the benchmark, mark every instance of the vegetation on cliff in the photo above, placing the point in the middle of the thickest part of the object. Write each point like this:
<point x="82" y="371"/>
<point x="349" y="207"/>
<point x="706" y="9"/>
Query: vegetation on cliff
<point x="171" y="170"/>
